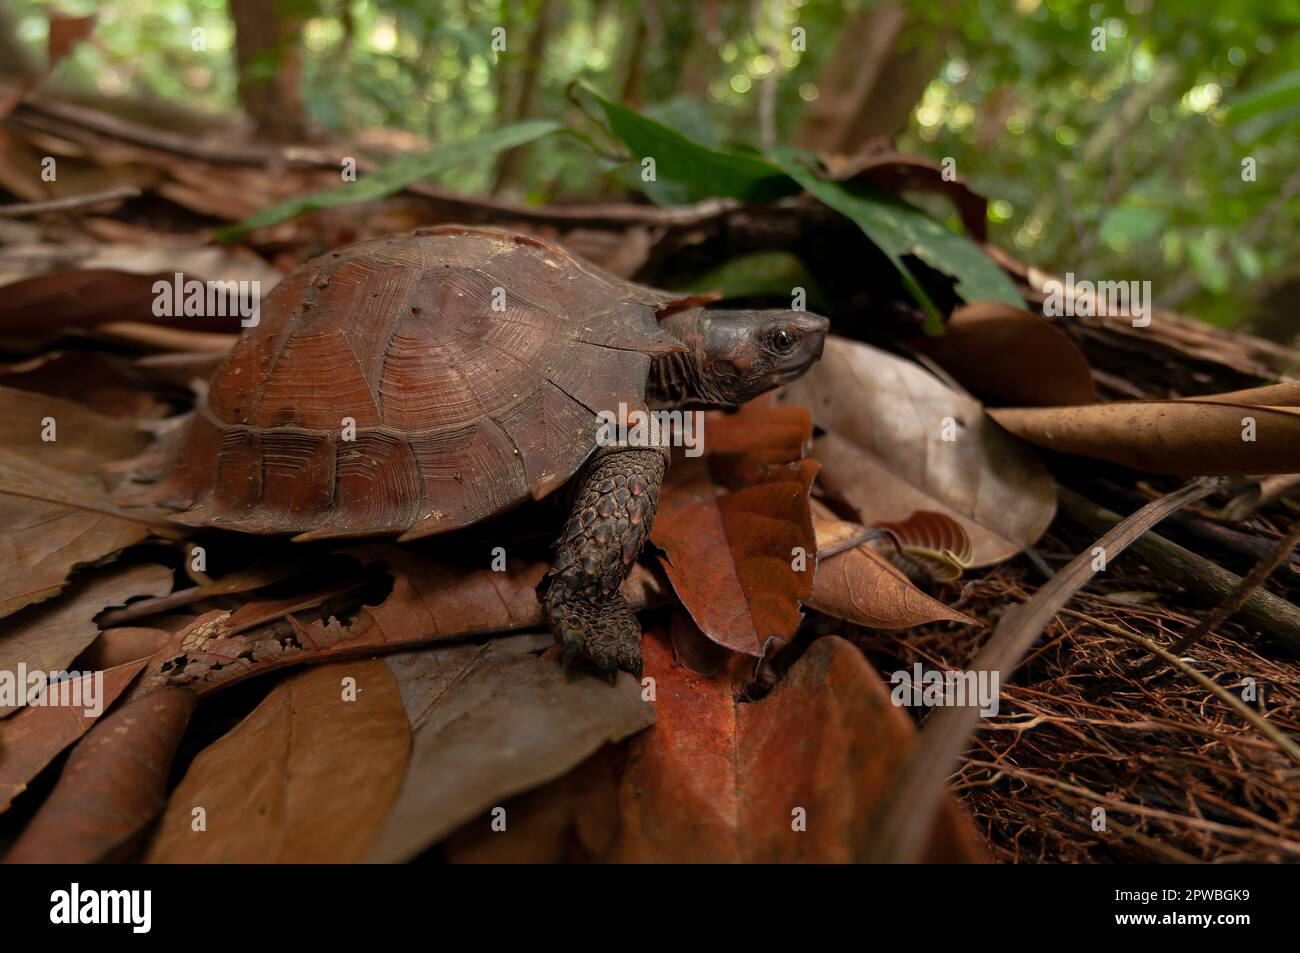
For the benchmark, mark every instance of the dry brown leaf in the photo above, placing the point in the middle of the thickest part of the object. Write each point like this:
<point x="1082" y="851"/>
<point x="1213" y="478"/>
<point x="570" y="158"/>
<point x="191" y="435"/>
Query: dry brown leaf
<point x="56" y="505"/>
<point x="429" y="602"/>
<point x="935" y="541"/>
<point x="306" y="778"/>
<point x="33" y="737"/>
<point x="1016" y="356"/>
<point x="1192" y="436"/>
<point x="112" y="786"/>
<point x="731" y="556"/>
<point x="885" y="453"/>
<point x="716" y="780"/>
<point x="122" y="644"/>
<point x="44" y="639"/>
<point x="860" y="586"/>
<point x="491" y="721"/>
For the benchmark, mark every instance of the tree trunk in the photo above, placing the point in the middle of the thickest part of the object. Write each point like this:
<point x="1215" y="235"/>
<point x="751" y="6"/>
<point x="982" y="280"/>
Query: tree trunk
<point x="882" y="63"/>
<point x="510" y="164"/>
<point x="268" y="54"/>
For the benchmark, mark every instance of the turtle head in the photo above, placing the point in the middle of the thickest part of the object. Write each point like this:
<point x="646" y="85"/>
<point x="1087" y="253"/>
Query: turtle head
<point x="733" y="356"/>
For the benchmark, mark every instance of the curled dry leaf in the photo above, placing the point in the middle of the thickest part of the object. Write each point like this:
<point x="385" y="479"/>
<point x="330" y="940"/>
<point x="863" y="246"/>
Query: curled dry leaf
<point x="99" y="284"/>
<point x="270" y="789"/>
<point x="732" y="556"/>
<point x="822" y="747"/>
<point x="1013" y="355"/>
<point x="885" y="451"/>
<point x="938" y="541"/>
<point x="112" y="786"/>
<point x="860" y="586"/>
<point x="490" y="721"/>
<point x="46" y="638"/>
<point x="33" y="737"/>
<point x="1216" y="434"/>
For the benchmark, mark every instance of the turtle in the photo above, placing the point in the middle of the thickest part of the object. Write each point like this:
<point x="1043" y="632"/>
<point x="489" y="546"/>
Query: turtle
<point x="421" y="383"/>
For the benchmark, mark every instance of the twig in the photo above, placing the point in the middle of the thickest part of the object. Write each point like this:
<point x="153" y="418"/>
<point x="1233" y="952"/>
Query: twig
<point x="1258" y="574"/>
<point x="1271" y="615"/>
<point x="21" y="210"/>
<point x="903" y="824"/>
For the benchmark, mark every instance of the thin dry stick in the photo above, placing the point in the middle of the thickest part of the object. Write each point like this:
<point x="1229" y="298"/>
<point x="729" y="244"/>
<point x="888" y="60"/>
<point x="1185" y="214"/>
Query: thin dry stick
<point x="1252" y="581"/>
<point x="69" y="203"/>
<point x="1267" y="728"/>
<point x="904" y="822"/>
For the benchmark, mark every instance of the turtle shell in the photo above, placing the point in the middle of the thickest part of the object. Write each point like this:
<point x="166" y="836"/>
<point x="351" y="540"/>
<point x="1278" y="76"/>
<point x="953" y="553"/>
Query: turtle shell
<point x="417" y="384"/>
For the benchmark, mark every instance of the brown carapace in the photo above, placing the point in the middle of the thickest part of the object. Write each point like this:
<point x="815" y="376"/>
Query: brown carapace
<point x="413" y="385"/>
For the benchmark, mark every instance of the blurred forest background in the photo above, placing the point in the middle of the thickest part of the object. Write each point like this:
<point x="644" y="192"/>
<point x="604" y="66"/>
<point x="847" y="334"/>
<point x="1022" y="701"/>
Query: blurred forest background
<point x="1122" y="163"/>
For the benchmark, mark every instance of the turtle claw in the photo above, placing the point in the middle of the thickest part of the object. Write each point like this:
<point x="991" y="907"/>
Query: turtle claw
<point x="605" y="632"/>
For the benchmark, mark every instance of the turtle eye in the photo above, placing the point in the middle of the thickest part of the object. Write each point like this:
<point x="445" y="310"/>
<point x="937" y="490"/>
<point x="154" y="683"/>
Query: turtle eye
<point x="782" y="340"/>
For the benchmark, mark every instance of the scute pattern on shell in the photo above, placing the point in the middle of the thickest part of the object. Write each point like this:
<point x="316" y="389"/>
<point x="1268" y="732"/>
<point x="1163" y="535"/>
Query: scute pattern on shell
<point x="461" y="411"/>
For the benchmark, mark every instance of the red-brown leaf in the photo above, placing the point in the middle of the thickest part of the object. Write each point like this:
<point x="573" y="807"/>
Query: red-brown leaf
<point x="716" y="781"/>
<point x="730" y="555"/>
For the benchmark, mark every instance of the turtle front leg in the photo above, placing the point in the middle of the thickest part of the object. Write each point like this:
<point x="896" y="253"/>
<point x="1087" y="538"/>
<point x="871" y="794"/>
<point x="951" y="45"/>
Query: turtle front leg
<point x="613" y="508"/>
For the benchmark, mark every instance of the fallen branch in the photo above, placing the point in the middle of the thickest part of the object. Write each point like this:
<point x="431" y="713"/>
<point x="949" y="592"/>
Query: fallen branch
<point x="1258" y="574"/>
<point x="1263" y="611"/>
<point x="70" y="202"/>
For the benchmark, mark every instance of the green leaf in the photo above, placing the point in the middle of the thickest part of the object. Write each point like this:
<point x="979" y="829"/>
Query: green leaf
<point x="899" y="229"/>
<point x="397" y="175"/>
<point x="1280" y="93"/>
<point x="707" y="173"/>
<point x="764" y="274"/>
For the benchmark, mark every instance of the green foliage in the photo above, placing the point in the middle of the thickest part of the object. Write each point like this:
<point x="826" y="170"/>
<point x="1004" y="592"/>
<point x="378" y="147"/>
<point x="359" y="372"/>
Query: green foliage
<point x="1127" y="162"/>
<point x="706" y="172"/>
<point x="893" y="225"/>
<point x="397" y="175"/>
<point x="767" y="274"/>
<point x="1123" y="162"/>
<point x="899" y="229"/>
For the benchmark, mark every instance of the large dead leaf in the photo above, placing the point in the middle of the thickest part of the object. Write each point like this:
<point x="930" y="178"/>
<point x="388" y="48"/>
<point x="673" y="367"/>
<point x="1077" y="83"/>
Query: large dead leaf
<point x="46" y="638"/>
<point x="715" y="781"/>
<point x="56" y="504"/>
<point x="429" y="602"/>
<point x="33" y="737"/>
<point x="305" y="778"/>
<point x="1013" y="355"/>
<point x="885" y="453"/>
<point x="490" y="721"/>
<point x="860" y="586"/>
<point x="113" y="784"/>
<point x="732" y="555"/>
<point x="1216" y="434"/>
